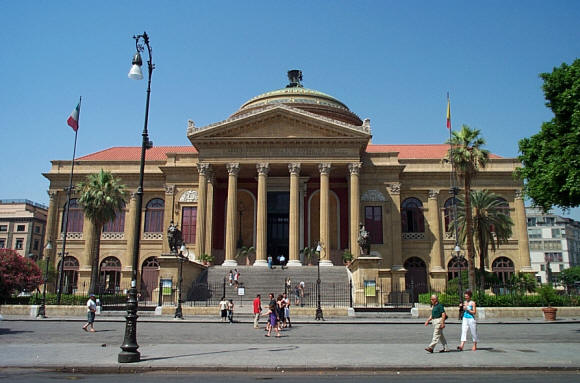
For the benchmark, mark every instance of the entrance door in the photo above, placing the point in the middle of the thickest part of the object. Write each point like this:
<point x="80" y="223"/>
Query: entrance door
<point x="278" y="220"/>
<point x="417" y="274"/>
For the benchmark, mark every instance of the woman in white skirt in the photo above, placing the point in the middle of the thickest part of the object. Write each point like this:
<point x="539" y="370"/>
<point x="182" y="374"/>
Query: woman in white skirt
<point x="469" y="312"/>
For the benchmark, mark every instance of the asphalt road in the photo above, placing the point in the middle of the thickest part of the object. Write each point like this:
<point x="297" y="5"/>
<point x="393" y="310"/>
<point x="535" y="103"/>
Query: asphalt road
<point x="174" y="332"/>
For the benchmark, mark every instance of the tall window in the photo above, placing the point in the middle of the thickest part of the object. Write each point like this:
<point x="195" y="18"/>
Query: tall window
<point x="412" y="216"/>
<point x="76" y="217"/>
<point x="449" y="212"/>
<point x="188" y="224"/>
<point x="154" y="216"/>
<point x="118" y="224"/>
<point x="374" y="223"/>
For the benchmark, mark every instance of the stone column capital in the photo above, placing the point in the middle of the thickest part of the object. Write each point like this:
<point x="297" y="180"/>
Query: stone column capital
<point x="169" y="189"/>
<point x="433" y="194"/>
<point x="263" y="168"/>
<point x="324" y="168"/>
<point x="519" y="194"/>
<point x="133" y="196"/>
<point x="294" y="168"/>
<point x="51" y="194"/>
<point x="354" y="167"/>
<point x="203" y="168"/>
<point x="233" y="168"/>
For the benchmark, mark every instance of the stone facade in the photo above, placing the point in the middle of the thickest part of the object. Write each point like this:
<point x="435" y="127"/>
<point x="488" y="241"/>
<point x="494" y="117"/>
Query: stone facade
<point x="293" y="169"/>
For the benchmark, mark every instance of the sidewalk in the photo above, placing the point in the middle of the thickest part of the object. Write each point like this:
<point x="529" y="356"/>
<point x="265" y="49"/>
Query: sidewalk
<point x="285" y="354"/>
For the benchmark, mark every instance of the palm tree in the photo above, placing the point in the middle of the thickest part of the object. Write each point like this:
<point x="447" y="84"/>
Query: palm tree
<point x="492" y="225"/>
<point x="101" y="197"/>
<point x="467" y="157"/>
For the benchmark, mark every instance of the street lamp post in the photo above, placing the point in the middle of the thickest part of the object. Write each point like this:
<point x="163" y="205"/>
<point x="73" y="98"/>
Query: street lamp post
<point x="319" y="315"/>
<point x="181" y="258"/>
<point x="42" y="309"/>
<point x="130" y="347"/>
<point x="459" y="259"/>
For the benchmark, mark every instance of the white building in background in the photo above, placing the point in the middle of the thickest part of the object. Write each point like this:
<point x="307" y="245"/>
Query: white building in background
<point x="554" y="243"/>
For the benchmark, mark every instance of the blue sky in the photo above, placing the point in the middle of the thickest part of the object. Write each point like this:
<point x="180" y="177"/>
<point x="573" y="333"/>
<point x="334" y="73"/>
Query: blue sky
<point x="392" y="62"/>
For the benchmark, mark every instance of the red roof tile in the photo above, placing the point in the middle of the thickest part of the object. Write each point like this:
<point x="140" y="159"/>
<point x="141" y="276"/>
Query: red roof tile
<point x="133" y="153"/>
<point x="427" y="151"/>
<point x="159" y="153"/>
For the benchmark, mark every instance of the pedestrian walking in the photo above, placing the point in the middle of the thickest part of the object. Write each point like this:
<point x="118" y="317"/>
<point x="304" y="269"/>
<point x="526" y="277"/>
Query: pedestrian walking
<point x="468" y="321"/>
<point x="231" y="278"/>
<point x="270" y="304"/>
<point x="223" y="309"/>
<point x="282" y="261"/>
<point x="437" y="318"/>
<point x="91" y="310"/>
<point x="288" y="287"/>
<point x="231" y="311"/>
<point x="272" y="320"/>
<point x="286" y="300"/>
<point x="280" y="311"/>
<point x="257" y="310"/>
<point x="297" y="294"/>
<point x="269" y="261"/>
<point x="236" y="278"/>
<point x="301" y="291"/>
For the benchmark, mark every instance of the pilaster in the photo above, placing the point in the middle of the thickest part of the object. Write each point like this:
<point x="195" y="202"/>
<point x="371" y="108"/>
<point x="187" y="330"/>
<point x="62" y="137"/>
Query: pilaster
<point x="522" y="233"/>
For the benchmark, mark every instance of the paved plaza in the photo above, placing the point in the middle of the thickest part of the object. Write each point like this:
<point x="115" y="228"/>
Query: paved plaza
<point x="203" y="343"/>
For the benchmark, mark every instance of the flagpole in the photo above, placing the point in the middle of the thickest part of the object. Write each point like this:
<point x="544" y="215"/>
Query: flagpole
<point x="66" y="212"/>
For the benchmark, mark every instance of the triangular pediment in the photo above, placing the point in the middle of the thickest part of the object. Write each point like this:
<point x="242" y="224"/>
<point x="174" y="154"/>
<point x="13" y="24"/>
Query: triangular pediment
<point x="278" y="122"/>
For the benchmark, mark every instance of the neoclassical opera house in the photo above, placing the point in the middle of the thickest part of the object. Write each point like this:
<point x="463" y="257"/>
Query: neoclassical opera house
<point x="292" y="168"/>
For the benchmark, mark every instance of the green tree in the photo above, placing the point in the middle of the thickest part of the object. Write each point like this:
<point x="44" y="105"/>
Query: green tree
<point x="570" y="276"/>
<point x="468" y="157"/>
<point x="101" y="197"/>
<point x="244" y="253"/>
<point x="551" y="158"/>
<point x="492" y="225"/>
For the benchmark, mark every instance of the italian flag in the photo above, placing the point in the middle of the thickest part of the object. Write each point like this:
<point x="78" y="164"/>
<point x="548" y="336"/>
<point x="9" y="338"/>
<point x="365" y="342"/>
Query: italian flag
<point x="73" y="119"/>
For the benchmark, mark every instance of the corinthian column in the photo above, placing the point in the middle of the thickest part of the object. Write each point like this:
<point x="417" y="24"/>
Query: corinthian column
<point x="354" y="170"/>
<point x="209" y="213"/>
<point x="294" y="229"/>
<point x="202" y="169"/>
<point x="325" y="214"/>
<point x="232" y="209"/>
<point x="262" y="219"/>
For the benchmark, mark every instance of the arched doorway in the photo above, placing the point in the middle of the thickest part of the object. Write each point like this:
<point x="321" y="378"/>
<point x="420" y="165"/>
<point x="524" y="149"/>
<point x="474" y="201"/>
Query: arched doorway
<point x="110" y="276"/>
<point x="455" y="266"/>
<point x="417" y="274"/>
<point x="503" y="268"/>
<point x="149" y="277"/>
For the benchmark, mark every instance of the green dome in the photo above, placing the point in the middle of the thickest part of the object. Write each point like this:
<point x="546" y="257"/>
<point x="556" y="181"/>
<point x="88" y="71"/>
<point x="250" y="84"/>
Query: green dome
<point x="302" y="98"/>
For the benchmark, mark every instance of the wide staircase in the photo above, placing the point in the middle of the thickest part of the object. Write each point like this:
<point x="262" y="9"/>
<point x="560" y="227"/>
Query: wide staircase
<point x="334" y="285"/>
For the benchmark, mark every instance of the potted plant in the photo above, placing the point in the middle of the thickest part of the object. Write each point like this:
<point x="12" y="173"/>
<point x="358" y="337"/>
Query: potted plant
<point x="244" y="253"/>
<point x="206" y="259"/>
<point x="548" y="295"/>
<point x="347" y="257"/>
